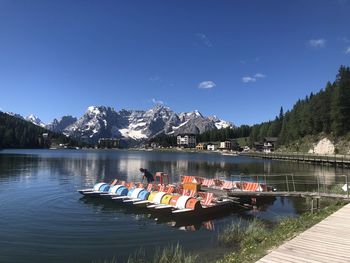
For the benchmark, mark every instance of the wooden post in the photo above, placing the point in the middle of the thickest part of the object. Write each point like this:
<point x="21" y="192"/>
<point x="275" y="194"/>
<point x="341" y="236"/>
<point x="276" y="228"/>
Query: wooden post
<point x="287" y="183"/>
<point x="318" y="184"/>
<point x="293" y="182"/>
<point x="240" y="179"/>
<point x="347" y="186"/>
<point x="319" y="203"/>
<point x="312" y="205"/>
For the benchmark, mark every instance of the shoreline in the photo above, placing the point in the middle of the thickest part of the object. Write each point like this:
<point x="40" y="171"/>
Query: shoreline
<point x="253" y="248"/>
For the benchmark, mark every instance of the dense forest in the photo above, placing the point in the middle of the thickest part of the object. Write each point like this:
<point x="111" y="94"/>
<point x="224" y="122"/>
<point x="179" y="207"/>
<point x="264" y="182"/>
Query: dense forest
<point x="18" y="133"/>
<point x="327" y="111"/>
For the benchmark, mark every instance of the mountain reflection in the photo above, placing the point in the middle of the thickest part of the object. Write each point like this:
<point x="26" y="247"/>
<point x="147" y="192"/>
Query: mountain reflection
<point x="93" y="166"/>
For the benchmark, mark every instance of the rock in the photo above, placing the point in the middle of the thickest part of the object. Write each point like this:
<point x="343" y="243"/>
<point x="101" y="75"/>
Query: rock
<point x="324" y="146"/>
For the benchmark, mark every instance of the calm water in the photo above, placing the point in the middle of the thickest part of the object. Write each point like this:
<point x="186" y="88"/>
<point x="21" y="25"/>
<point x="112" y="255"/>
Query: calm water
<point x="44" y="219"/>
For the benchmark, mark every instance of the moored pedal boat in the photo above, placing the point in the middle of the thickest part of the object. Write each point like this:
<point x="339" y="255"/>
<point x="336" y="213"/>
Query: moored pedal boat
<point x="180" y="206"/>
<point x="98" y="189"/>
<point x="116" y="190"/>
<point x="138" y="194"/>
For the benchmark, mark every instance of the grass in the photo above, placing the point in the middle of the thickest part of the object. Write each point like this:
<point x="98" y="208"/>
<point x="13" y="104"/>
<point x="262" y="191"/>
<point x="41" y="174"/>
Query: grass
<point x="170" y="254"/>
<point x="337" y="189"/>
<point x="258" y="240"/>
<point x="241" y="232"/>
<point x="243" y="141"/>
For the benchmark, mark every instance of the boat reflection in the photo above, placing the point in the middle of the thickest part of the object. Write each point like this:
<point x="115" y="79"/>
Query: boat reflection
<point x="206" y="222"/>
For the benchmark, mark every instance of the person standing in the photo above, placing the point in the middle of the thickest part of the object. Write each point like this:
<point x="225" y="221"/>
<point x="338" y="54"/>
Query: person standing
<point x="146" y="174"/>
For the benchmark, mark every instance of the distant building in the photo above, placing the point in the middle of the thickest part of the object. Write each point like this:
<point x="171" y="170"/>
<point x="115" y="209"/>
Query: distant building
<point x="246" y="149"/>
<point x="186" y="140"/>
<point x="108" y="143"/>
<point x="258" y="146"/>
<point x="154" y="145"/>
<point x="226" y="145"/>
<point x="269" y="144"/>
<point x="44" y="140"/>
<point x="229" y="145"/>
<point x="212" y="146"/>
<point x="201" y="146"/>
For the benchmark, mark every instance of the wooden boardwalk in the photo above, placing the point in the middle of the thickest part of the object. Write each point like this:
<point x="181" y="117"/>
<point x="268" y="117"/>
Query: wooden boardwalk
<point x="335" y="159"/>
<point x="327" y="241"/>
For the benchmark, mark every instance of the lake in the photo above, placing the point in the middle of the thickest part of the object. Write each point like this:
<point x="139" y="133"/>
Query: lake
<point x="44" y="218"/>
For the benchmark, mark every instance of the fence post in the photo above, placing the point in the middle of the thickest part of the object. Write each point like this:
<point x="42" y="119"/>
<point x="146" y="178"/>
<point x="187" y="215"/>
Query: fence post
<point x="318" y="183"/>
<point x="287" y="183"/>
<point x="293" y="182"/>
<point x="240" y="179"/>
<point x="347" y="186"/>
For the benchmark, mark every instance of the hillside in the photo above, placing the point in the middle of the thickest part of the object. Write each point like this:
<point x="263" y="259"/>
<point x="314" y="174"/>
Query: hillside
<point x="18" y="133"/>
<point x="326" y="112"/>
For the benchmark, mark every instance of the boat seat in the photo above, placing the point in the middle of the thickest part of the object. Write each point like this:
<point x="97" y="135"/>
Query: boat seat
<point x="182" y="210"/>
<point x="153" y="206"/>
<point x="163" y="206"/>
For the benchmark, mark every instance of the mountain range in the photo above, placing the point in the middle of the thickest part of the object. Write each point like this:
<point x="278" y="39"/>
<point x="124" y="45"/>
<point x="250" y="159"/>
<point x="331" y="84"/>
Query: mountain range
<point x="136" y="125"/>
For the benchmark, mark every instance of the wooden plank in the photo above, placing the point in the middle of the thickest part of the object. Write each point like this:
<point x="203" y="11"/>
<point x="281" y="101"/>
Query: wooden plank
<point x="327" y="241"/>
<point x="297" y="258"/>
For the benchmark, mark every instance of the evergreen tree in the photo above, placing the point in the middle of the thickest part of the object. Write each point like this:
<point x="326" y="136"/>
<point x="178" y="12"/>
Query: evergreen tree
<point x="341" y="102"/>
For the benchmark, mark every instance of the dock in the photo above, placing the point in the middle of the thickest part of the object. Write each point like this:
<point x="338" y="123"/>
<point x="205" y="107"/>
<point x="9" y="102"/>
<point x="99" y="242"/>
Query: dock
<point x="327" y="241"/>
<point x="334" y="159"/>
<point x="289" y="194"/>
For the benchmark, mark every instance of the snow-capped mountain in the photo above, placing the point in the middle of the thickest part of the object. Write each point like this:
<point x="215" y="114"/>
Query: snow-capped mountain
<point x="61" y="124"/>
<point x="101" y="121"/>
<point x="14" y="114"/>
<point x="137" y="125"/>
<point x="35" y="120"/>
<point x="97" y="122"/>
<point x="31" y="118"/>
<point x="220" y="124"/>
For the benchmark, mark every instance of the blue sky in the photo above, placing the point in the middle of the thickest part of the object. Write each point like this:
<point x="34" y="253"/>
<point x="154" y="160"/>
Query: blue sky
<point x="239" y="60"/>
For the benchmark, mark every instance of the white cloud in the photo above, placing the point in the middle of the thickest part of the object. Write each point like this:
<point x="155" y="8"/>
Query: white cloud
<point x="205" y="40"/>
<point x="347" y="51"/>
<point x="208" y="84"/>
<point x="247" y="79"/>
<point x="157" y="101"/>
<point x="317" y="43"/>
<point x="259" y="75"/>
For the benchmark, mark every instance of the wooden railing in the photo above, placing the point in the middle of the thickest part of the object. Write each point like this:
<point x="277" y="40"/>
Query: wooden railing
<point x="335" y="159"/>
<point x="299" y="184"/>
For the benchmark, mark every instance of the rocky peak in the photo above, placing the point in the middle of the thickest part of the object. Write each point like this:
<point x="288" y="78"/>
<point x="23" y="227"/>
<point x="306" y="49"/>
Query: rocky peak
<point x="35" y="120"/>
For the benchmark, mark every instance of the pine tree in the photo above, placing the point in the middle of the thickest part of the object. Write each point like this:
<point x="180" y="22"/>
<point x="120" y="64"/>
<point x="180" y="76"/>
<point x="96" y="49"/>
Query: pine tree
<point x="341" y="103"/>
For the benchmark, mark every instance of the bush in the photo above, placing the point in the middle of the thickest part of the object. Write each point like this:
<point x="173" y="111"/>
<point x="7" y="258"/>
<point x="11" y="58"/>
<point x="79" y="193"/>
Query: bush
<point x="242" y="232"/>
